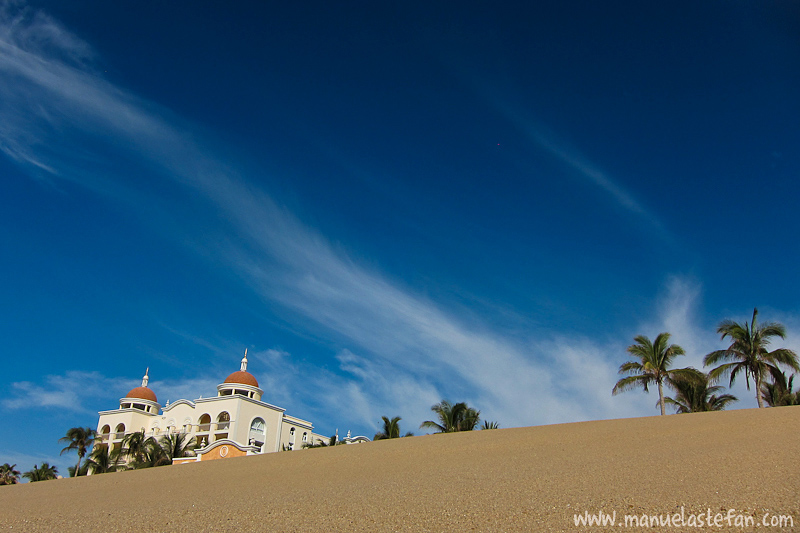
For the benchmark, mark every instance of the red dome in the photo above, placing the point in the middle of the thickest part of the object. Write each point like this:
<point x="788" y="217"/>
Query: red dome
<point x="143" y="393"/>
<point x="242" y="378"/>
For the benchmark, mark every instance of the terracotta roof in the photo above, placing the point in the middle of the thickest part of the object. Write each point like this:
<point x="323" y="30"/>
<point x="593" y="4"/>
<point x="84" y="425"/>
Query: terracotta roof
<point x="242" y="378"/>
<point x="143" y="393"/>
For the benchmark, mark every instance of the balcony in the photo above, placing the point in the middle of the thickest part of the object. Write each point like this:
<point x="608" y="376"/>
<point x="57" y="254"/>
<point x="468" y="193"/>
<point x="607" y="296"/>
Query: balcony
<point x="223" y="426"/>
<point x="203" y="428"/>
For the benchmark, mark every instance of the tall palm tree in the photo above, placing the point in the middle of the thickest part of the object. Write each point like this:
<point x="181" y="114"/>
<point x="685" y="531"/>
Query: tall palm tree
<point x="779" y="392"/>
<point x="748" y="353"/>
<point x="452" y="417"/>
<point x="80" y="440"/>
<point x="41" y="473"/>
<point x="695" y="394"/>
<point x="653" y="366"/>
<point x="391" y="429"/>
<point x="9" y="475"/>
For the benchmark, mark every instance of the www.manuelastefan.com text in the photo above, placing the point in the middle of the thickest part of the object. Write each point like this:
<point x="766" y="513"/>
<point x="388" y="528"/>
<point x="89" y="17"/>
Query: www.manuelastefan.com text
<point x="732" y="518"/>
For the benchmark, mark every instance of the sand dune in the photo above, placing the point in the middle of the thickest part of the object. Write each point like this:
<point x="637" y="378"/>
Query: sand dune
<point x="522" y="479"/>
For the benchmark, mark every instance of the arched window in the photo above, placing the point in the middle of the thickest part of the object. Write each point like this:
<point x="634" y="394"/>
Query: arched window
<point x="223" y="420"/>
<point x="204" y="424"/>
<point x="305" y="436"/>
<point x="258" y="432"/>
<point x="120" y="431"/>
<point x="105" y="432"/>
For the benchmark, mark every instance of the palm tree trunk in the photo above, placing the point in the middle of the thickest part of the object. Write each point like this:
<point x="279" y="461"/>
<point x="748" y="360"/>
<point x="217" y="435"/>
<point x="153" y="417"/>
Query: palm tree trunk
<point x="758" y="391"/>
<point x="661" y="397"/>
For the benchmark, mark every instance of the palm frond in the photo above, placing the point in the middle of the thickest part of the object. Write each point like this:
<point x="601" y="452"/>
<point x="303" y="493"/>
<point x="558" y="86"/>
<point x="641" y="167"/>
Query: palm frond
<point x="631" y="382"/>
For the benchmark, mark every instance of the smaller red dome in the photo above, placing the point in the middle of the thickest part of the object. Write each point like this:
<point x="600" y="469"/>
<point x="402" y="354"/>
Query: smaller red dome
<point x="242" y="378"/>
<point x="143" y="393"/>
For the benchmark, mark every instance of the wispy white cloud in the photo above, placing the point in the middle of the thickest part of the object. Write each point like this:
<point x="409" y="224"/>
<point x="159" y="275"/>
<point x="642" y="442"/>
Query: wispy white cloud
<point x="26" y="461"/>
<point x="89" y="392"/>
<point x="285" y="260"/>
<point x="403" y="350"/>
<point x="73" y="391"/>
<point x="677" y="312"/>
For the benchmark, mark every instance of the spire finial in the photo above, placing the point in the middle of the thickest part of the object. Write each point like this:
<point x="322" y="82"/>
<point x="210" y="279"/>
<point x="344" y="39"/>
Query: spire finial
<point x="244" y="361"/>
<point x="145" y="379"/>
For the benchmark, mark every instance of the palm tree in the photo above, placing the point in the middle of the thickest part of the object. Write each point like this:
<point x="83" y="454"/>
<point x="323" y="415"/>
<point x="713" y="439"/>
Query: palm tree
<point x="101" y="461"/>
<point x="80" y="440"/>
<point x="139" y="450"/>
<point x="779" y="392"/>
<point x="41" y="473"/>
<point x="8" y="474"/>
<point x="695" y="394"/>
<point x="177" y="445"/>
<point x="391" y="429"/>
<point x="748" y="353"/>
<point x="84" y="470"/>
<point x="154" y="455"/>
<point x="490" y="425"/>
<point x="458" y="417"/>
<point x="655" y="358"/>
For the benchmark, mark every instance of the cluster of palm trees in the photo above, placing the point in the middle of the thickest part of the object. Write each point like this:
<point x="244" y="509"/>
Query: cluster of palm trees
<point x="141" y="451"/>
<point x="137" y="451"/>
<point x="695" y="390"/>
<point x="78" y="439"/>
<point x="9" y="475"/>
<point x="450" y="418"/>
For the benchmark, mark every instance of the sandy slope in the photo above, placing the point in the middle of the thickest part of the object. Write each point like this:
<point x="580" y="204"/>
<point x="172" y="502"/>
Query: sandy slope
<point x="523" y="479"/>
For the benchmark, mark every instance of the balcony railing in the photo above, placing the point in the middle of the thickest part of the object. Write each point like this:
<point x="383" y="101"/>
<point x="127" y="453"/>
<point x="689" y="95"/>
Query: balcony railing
<point x="203" y="427"/>
<point x="223" y="425"/>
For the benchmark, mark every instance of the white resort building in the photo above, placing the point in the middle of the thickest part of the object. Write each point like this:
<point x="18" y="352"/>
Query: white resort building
<point x="233" y="423"/>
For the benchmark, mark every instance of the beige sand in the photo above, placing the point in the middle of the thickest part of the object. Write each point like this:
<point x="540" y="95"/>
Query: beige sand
<point x="522" y="479"/>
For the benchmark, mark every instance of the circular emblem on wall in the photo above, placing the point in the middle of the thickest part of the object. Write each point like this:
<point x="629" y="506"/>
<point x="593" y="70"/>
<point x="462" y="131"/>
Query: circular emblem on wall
<point x="223" y="451"/>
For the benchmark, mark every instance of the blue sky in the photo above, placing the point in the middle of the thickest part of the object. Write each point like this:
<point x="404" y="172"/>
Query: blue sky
<point x="386" y="204"/>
